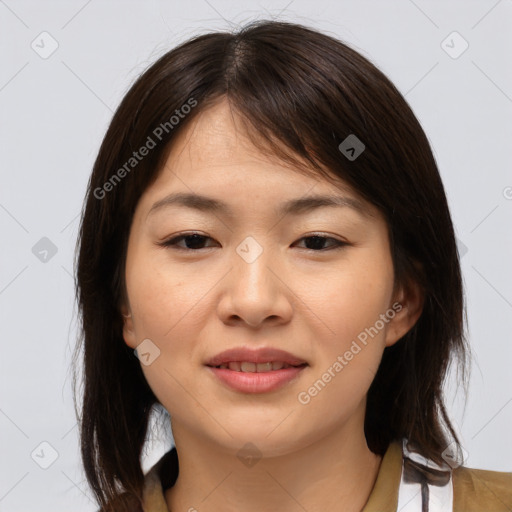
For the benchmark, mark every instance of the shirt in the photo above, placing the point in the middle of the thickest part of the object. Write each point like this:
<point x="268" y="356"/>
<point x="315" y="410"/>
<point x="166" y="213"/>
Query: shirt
<point x="404" y="478"/>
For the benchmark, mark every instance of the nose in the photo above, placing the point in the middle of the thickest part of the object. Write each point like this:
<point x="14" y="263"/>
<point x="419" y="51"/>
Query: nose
<point x="255" y="292"/>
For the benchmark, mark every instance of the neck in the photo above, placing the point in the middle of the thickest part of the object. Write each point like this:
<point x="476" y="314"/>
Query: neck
<point x="336" y="472"/>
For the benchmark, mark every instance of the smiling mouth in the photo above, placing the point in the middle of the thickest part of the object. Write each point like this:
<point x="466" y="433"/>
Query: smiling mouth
<point x="248" y="367"/>
<point x="261" y="377"/>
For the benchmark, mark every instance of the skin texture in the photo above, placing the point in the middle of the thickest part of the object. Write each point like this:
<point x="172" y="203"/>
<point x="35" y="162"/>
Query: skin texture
<point x="310" y="302"/>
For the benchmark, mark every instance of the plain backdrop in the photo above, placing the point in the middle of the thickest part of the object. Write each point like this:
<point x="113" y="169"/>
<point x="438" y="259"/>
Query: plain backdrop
<point x="65" y="67"/>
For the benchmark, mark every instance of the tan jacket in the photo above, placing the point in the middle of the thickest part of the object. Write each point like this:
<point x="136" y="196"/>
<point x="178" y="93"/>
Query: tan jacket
<point x="473" y="490"/>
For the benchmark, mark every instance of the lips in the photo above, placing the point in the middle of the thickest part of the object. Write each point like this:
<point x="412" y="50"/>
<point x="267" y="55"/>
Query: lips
<point x="248" y="367"/>
<point x="255" y="360"/>
<point x="249" y="370"/>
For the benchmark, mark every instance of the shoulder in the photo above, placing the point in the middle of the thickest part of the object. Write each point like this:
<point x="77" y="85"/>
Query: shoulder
<point x="475" y="490"/>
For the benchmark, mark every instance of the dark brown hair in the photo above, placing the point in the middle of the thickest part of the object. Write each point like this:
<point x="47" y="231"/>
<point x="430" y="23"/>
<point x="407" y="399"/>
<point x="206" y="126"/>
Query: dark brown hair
<point x="305" y="92"/>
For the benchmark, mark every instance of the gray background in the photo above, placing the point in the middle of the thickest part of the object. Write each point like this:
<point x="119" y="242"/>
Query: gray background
<point x="55" y="110"/>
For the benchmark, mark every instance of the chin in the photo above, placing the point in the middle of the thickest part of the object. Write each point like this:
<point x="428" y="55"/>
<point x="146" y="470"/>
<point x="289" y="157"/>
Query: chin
<point x="258" y="440"/>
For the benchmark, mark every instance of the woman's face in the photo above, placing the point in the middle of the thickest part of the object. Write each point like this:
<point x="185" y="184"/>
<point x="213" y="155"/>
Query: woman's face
<point x="254" y="279"/>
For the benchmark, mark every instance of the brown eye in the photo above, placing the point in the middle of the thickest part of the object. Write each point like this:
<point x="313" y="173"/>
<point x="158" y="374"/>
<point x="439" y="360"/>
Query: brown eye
<point x="317" y="241"/>
<point x="193" y="241"/>
<point x="196" y="241"/>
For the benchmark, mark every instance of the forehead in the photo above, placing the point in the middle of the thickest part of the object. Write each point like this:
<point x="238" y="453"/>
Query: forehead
<point x="215" y="156"/>
<point x="217" y="138"/>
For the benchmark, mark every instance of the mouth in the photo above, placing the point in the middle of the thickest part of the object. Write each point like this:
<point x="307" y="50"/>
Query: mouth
<point x="250" y="367"/>
<point x="263" y="370"/>
<point x="254" y="360"/>
<point x="250" y="370"/>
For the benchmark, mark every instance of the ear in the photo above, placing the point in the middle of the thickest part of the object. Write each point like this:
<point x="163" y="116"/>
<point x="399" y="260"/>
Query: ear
<point x="408" y="305"/>
<point x="128" y="329"/>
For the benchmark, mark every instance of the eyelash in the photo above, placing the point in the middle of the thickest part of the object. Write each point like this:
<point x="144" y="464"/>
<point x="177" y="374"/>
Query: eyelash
<point x="172" y="242"/>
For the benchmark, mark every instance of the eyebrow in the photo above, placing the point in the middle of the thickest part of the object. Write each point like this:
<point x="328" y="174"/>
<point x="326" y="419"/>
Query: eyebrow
<point x="297" y="206"/>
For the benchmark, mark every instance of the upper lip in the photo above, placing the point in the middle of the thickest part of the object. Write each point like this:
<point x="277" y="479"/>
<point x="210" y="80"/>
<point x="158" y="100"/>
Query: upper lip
<point x="260" y="355"/>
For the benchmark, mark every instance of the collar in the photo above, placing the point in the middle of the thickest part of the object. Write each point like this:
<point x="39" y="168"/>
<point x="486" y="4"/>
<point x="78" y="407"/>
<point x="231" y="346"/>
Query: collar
<point x="383" y="498"/>
<point x="384" y="495"/>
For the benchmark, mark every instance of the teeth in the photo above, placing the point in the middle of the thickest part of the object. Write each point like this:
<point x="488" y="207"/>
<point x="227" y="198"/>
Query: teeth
<point x="264" y="367"/>
<point x="249" y="367"/>
<point x="245" y="366"/>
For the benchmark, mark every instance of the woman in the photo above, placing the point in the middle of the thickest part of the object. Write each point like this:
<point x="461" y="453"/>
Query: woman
<point x="267" y="253"/>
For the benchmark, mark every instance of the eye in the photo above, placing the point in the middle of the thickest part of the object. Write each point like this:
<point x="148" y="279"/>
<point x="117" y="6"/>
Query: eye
<point x="318" y="240"/>
<point x="195" y="242"/>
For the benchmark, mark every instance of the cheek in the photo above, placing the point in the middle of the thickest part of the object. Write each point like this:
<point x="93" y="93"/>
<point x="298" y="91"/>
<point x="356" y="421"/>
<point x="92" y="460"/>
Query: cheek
<point x="162" y="297"/>
<point x="351" y="299"/>
<point x="165" y="308"/>
<point x="350" y="343"/>
<point x="349" y="348"/>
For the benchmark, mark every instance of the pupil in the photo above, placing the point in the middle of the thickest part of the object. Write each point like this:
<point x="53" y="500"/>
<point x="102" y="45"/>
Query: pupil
<point x="196" y="240"/>
<point x="316" y="241"/>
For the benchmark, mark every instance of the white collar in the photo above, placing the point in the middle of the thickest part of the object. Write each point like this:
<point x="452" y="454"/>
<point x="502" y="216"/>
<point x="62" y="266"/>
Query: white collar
<point x="424" y="485"/>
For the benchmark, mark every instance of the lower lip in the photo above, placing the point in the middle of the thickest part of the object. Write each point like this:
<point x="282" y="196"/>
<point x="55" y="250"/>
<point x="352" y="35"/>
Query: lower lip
<point x="262" y="382"/>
